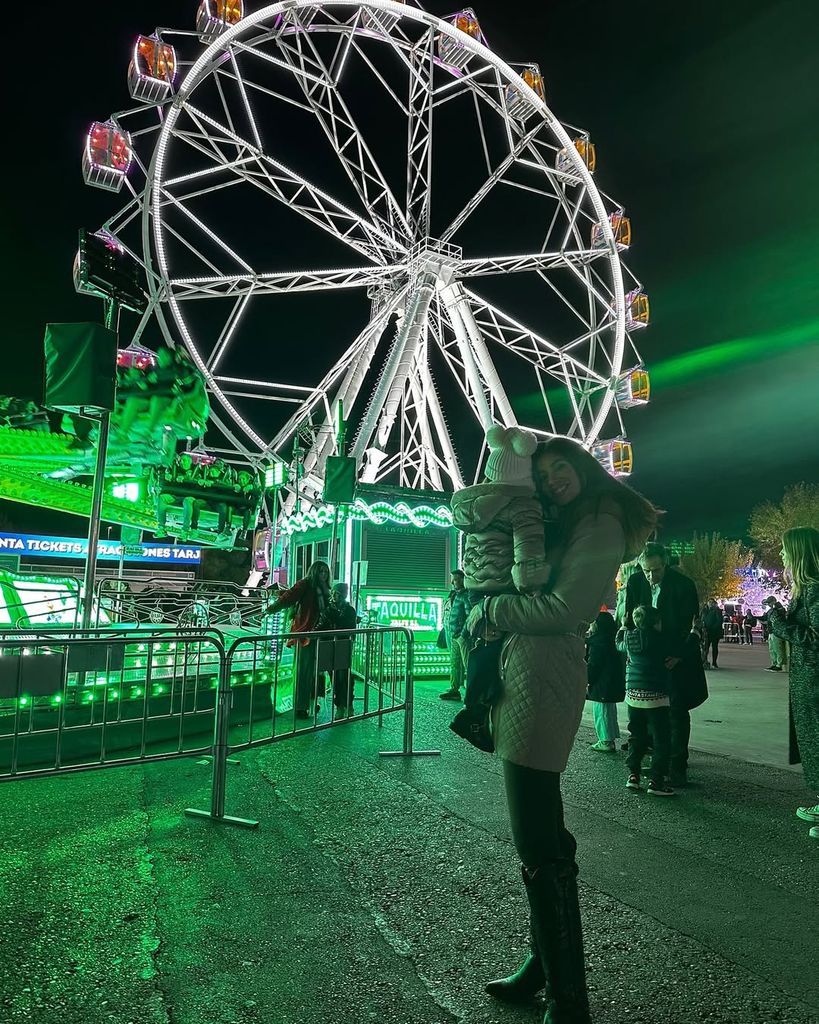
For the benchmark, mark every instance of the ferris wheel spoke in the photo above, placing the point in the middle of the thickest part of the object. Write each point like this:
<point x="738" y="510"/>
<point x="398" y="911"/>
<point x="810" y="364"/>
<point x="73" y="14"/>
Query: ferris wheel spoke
<point x="242" y="88"/>
<point x="419" y="136"/>
<point x="300" y="195"/>
<point x="523" y="341"/>
<point x="492" y="180"/>
<point x="539" y="261"/>
<point x="342" y="131"/>
<point x="208" y="232"/>
<point x="227" y="332"/>
<point x="220" y="286"/>
<point x="349" y="364"/>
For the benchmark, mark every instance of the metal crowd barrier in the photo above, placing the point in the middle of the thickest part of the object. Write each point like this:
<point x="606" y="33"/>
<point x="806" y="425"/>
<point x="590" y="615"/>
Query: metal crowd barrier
<point x="78" y="700"/>
<point x="203" y="604"/>
<point x="370" y="672"/>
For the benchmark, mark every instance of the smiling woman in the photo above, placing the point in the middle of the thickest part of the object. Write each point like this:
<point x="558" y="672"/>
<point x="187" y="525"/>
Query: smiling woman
<point x="598" y="523"/>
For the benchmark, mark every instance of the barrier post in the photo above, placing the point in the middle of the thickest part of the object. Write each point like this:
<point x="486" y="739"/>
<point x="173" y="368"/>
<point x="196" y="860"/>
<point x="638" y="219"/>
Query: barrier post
<point x="221" y="736"/>
<point x="409" y="709"/>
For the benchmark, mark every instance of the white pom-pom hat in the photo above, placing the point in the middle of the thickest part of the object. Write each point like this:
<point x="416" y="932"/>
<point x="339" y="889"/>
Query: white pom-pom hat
<point x="510" y="455"/>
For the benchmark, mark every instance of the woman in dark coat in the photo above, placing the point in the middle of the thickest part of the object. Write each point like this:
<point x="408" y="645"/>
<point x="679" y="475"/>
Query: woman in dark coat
<point x="606" y="680"/>
<point x="799" y="625"/>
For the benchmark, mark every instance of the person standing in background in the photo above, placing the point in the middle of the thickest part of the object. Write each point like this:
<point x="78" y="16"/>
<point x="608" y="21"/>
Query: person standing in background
<point x="712" y="625"/>
<point x="342" y="615"/>
<point x="310" y="598"/>
<point x="799" y="625"/>
<point x="606" y="680"/>
<point x="675" y="597"/>
<point x="776" y="645"/>
<point x="455" y="612"/>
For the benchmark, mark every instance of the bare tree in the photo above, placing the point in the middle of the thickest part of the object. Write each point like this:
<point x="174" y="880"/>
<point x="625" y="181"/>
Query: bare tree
<point x="715" y="565"/>
<point x="799" y="507"/>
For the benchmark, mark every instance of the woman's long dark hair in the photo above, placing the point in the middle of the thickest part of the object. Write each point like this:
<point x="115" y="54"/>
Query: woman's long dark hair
<point x="322" y="591"/>
<point x="598" y="489"/>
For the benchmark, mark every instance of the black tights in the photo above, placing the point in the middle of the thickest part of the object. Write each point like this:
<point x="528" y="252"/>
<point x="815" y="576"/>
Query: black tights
<point x="536" y="815"/>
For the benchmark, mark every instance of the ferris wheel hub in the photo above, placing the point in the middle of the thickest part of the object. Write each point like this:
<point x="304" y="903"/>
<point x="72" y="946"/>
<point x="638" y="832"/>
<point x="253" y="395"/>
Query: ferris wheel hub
<point x="432" y="257"/>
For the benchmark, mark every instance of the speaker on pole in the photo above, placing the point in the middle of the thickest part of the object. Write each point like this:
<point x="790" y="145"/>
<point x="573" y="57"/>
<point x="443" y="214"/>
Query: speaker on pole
<point x="339" y="480"/>
<point x="80" y="367"/>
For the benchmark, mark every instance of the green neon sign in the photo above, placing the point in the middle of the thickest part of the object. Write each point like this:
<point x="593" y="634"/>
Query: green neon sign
<point x="415" y="613"/>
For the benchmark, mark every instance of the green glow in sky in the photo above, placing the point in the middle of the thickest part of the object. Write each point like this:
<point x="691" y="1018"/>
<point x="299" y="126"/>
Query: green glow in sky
<point x="728" y="355"/>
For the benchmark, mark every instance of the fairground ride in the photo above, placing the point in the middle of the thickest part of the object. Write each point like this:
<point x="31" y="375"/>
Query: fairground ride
<point x="279" y="161"/>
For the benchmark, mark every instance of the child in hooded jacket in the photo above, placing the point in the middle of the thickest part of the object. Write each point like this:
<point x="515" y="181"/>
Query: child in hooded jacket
<point x="648" y="689"/>
<point x="504" y="552"/>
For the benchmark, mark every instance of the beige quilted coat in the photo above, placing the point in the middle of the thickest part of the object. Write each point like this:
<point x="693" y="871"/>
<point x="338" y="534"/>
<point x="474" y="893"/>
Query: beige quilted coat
<point x="542" y="666"/>
<point x="505" y="543"/>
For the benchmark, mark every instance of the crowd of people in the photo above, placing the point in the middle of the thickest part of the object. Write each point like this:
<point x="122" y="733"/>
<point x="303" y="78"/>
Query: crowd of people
<point x="210" y="484"/>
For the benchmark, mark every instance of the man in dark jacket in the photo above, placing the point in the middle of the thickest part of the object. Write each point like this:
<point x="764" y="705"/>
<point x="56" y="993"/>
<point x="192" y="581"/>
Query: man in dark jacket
<point x="675" y="597"/>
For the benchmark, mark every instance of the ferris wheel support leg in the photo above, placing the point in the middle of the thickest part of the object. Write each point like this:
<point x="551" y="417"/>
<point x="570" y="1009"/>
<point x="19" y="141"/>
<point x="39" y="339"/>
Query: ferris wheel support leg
<point x="347" y="393"/>
<point x="438" y="421"/>
<point x="431" y="469"/>
<point x="483" y="359"/>
<point x="382" y="410"/>
<point x="453" y="303"/>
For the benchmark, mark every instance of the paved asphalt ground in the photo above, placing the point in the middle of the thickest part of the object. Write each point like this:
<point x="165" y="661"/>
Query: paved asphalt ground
<point x="387" y="890"/>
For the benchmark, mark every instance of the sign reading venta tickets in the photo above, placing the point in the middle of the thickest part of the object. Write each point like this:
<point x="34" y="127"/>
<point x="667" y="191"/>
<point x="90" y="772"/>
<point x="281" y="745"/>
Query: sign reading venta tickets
<point x="30" y="545"/>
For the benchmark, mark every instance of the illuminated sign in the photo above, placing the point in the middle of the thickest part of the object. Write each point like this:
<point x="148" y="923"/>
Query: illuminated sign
<point x="34" y="546"/>
<point x="415" y="613"/>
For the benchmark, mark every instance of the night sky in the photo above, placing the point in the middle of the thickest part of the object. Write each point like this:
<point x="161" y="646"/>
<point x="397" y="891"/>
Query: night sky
<point x="705" y="119"/>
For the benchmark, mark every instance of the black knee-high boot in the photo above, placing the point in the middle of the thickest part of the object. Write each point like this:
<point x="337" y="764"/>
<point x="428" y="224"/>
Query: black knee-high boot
<point x="528" y="979"/>
<point x="558" y="936"/>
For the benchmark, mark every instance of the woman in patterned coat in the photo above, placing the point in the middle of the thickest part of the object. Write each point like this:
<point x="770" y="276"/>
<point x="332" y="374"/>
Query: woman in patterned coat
<point x="799" y="625"/>
<point x="600" y="523"/>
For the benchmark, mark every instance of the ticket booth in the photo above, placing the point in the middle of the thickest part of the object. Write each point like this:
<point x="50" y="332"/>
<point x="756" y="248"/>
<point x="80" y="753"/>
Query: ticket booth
<point x="396" y="550"/>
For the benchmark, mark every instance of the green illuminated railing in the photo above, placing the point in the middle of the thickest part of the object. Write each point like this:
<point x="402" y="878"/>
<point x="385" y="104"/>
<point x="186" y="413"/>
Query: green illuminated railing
<point x="378" y="512"/>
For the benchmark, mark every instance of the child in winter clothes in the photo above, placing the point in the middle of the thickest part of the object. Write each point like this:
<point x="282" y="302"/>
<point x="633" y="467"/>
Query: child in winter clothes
<point x="504" y="552"/>
<point x="648" y="687"/>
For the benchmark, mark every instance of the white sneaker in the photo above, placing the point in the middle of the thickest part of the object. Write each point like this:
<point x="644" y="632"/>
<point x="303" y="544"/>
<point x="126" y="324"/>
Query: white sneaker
<point x="814" y="832"/>
<point x="808" y="813"/>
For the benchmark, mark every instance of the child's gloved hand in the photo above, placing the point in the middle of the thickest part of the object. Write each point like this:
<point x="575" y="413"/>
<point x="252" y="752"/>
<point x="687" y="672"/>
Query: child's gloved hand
<point x="474" y="621"/>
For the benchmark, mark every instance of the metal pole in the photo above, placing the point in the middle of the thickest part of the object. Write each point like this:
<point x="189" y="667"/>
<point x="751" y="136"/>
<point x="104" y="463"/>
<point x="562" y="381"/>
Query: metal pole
<point x="221" y="746"/>
<point x="94" y="521"/>
<point x="407" y="747"/>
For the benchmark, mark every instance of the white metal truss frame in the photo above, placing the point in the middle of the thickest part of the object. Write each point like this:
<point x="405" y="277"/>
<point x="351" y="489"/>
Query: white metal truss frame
<point x="436" y="310"/>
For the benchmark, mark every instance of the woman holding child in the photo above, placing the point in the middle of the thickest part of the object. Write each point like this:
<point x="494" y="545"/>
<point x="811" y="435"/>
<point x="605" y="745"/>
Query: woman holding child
<point x="596" y="524"/>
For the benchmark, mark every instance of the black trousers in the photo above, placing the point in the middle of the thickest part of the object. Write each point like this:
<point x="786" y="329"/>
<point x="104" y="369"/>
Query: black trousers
<point x="342" y="687"/>
<point x="653" y="724"/>
<point x="712" y="647"/>
<point x="308" y="682"/>
<point x="536" y="815"/>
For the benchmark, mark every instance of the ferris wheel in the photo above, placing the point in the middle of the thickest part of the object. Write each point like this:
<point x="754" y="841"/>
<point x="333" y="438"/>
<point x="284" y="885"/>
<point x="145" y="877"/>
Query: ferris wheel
<point x="361" y="203"/>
